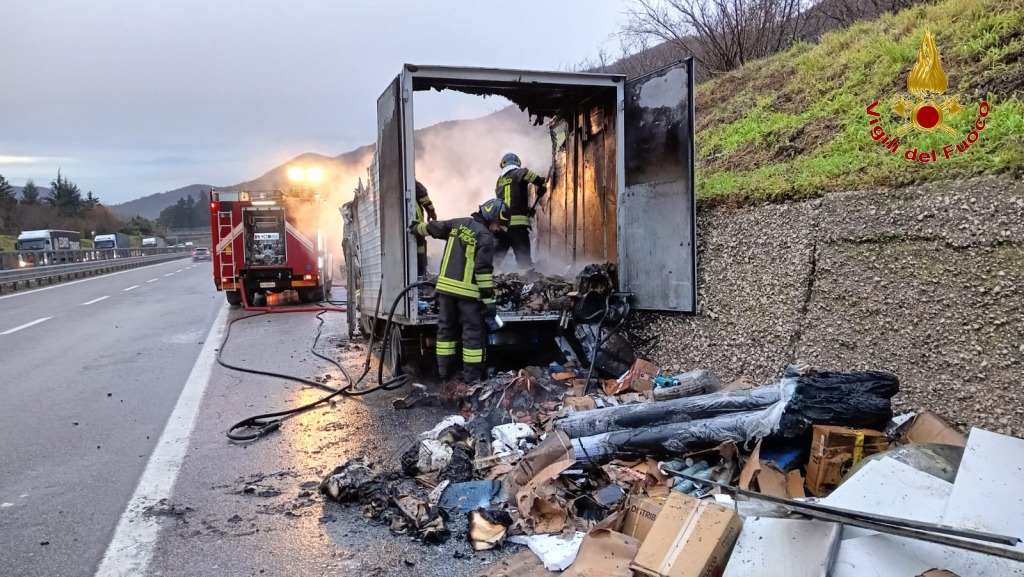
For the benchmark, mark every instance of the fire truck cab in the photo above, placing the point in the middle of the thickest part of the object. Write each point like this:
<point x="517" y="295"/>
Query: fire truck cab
<point x="269" y="242"/>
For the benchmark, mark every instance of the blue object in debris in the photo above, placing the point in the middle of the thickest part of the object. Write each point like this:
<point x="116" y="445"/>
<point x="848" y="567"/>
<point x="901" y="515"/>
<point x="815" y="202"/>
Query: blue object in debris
<point x="660" y="382"/>
<point x="782" y="455"/>
<point x="470" y="496"/>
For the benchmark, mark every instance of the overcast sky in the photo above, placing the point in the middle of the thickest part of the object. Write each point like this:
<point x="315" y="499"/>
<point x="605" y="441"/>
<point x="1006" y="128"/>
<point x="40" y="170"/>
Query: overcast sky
<point x="132" y="97"/>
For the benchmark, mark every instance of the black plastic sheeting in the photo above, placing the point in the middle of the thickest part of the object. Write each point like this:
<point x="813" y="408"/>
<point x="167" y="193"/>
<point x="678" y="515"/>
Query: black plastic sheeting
<point x="860" y="400"/>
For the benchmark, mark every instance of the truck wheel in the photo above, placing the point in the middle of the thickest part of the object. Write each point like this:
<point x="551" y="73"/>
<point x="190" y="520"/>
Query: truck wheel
<point x="393" y="360"/>
<point x="234" y="298"/>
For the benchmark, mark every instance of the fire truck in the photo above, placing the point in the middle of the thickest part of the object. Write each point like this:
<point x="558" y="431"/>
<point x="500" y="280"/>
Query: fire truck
<point x="269" y="242"/>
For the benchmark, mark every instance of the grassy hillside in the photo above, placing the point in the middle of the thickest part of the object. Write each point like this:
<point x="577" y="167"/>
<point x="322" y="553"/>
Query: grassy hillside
<point x="794" y="125"/>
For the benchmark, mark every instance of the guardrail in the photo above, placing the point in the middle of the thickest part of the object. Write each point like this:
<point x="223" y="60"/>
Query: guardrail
<point x="38" y="258"/>
<point x="91" y="262"/>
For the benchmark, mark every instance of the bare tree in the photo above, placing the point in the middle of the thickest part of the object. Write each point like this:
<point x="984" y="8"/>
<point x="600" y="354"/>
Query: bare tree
<point x="720" y="34"/>
<point x="845" y="12"/>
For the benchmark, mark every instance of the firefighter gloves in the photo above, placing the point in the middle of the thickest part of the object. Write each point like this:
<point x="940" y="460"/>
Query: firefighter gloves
<point x="417" y="228"/>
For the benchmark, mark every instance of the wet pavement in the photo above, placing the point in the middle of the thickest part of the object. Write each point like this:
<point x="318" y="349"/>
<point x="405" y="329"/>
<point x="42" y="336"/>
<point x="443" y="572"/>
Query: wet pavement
<point x="255" y="509"/>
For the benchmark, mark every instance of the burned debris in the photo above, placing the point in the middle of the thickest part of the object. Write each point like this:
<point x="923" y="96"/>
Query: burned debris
<point x="677" y="474"/>
<point x="687" y="484"/>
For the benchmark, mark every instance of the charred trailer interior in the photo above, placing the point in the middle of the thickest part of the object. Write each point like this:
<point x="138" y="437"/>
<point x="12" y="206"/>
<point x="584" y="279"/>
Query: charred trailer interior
<point x="620" y="190"/>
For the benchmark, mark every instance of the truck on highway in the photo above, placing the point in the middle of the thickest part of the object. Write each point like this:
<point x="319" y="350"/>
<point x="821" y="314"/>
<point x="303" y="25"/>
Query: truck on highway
<point x="115" y="241"/>
<point x="269" y="242"/>
<point x="621" y="190"/>
<point x="153" y="242"/>
<point x="43" y="247"/>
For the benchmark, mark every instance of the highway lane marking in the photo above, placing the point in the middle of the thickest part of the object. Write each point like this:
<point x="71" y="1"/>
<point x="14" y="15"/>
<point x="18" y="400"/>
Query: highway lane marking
<point x="108" y="275"/>
<point x="153" y="280"/>
<point x="131" y="549"/>
<point x="94" y="301"/>
<point x="179" y="270"/>
<point x="134" y="286"/>
<point x="169" y="274"/>
<point x="26" y="325"/>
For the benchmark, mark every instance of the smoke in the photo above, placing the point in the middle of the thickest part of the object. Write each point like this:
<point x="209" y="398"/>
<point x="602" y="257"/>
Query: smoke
<point x="458" y="162"/>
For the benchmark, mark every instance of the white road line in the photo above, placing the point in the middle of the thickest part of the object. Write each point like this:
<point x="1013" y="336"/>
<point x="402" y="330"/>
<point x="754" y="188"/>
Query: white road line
<point x="46" y="288"/>
<point x="169" y="274"/>
<point x="134" y="286"/>
<point x="153" y="280"/>
<point x="93" y="301"/>
<point x="25" y="326"/>
<point x="179" y="270"/>
<point x="131" y="549"/>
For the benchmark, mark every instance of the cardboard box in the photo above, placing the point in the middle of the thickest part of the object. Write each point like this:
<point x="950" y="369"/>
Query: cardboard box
<point x="834" y="450"/>
<point x="690" y="538"/>
<point x="930" y="428"/>
<point x="641" y="512"/>
<point x="639" y="378"/>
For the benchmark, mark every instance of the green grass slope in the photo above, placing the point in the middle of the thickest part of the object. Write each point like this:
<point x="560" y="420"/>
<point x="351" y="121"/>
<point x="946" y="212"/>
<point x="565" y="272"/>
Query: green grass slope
<point x="794" y="125"/>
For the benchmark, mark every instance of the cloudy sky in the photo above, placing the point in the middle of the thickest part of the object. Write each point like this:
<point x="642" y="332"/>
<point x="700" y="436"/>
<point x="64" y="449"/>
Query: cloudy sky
<point x="132" y="97"/>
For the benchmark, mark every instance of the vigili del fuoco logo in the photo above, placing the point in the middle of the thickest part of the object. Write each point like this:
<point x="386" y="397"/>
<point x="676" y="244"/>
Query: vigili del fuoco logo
<point x="926" y="109"/>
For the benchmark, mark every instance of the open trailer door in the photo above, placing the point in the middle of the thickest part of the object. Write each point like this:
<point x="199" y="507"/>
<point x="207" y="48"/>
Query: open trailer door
<point x="656" y="217"/>
<point x="391" y="189"/>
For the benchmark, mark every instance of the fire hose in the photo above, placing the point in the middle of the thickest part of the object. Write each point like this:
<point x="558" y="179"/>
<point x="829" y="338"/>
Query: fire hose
<point x="255" y="427"/>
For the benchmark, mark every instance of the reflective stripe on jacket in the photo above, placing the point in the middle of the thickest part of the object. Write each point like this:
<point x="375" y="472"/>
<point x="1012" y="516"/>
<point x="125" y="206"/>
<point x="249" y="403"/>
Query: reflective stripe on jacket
<point x="512" y="188"/>
<point x="467" y="268"/>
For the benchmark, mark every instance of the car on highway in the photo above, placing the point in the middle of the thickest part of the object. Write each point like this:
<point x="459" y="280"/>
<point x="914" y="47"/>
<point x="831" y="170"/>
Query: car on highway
<point x="201" y="253"/>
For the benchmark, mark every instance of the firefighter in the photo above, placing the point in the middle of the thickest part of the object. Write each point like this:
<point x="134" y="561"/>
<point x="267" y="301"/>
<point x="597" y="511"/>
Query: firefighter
<point x="512" y="189"/>
<point x="423" y="206"/>
<point x="465" y="285"/>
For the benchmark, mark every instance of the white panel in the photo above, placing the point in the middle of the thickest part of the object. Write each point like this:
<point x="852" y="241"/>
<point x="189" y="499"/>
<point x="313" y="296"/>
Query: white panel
<point x="784" y="547"/>
<point x="889" y="487"/>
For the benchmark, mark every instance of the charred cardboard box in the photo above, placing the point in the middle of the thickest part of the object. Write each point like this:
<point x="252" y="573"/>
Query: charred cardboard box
<point x="690" y="538"/>
<point x="639" y="378"/>
<point x="834" y="450"/>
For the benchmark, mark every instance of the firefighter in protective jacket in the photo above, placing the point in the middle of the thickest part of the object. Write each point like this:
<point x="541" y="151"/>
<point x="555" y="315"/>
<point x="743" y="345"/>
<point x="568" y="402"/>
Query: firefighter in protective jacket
<point x="424" y="207"/>
<point x="512" y="188"/>
<point x="465" y="285"/>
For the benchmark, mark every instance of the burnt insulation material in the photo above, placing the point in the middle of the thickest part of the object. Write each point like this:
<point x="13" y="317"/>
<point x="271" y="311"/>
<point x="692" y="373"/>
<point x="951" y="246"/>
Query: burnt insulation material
<point x="460" y="468"/>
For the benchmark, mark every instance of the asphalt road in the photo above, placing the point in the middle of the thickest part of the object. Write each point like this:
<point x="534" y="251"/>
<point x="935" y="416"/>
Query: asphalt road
<point x="114" y="460"/>
<point x="89" y="373"/>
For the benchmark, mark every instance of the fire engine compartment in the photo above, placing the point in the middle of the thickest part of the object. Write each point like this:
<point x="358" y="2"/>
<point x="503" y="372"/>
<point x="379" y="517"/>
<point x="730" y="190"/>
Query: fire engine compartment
<point x="264" y="236"/>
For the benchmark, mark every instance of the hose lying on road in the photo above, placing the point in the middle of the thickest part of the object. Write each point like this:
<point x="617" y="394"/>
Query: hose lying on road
<point x="252" y="428"/>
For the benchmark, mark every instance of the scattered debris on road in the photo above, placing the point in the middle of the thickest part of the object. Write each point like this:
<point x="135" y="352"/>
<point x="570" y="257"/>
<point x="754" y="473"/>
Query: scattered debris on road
<point x="703" y="480"/>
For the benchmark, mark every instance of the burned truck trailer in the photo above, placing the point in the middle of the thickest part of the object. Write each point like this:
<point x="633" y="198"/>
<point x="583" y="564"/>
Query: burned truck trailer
<point x="269" y="242"/>
<point x="621" y="189"/>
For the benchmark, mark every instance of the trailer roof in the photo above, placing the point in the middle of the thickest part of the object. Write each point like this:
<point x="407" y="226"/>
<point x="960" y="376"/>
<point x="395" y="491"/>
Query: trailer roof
<point x="540" y="93"/>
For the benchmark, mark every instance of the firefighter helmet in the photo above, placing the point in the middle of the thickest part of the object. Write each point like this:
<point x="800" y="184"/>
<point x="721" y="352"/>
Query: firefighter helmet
<point x="510" y="158"/>
<point x="495" y="210"/>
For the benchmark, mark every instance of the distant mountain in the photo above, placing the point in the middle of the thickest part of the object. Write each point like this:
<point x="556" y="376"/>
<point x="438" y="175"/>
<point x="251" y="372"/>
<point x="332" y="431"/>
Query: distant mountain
<point x="456" y="159"/>
<point x="43" y="191"/>
<point x="150" y="206"/>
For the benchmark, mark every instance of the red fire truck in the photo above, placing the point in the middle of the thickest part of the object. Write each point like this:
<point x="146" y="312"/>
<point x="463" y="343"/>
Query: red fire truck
<point x="268" y="242"/>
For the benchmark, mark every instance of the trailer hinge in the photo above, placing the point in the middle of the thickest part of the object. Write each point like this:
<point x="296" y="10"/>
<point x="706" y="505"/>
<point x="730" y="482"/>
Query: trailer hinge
<point x="405" y="96"/>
